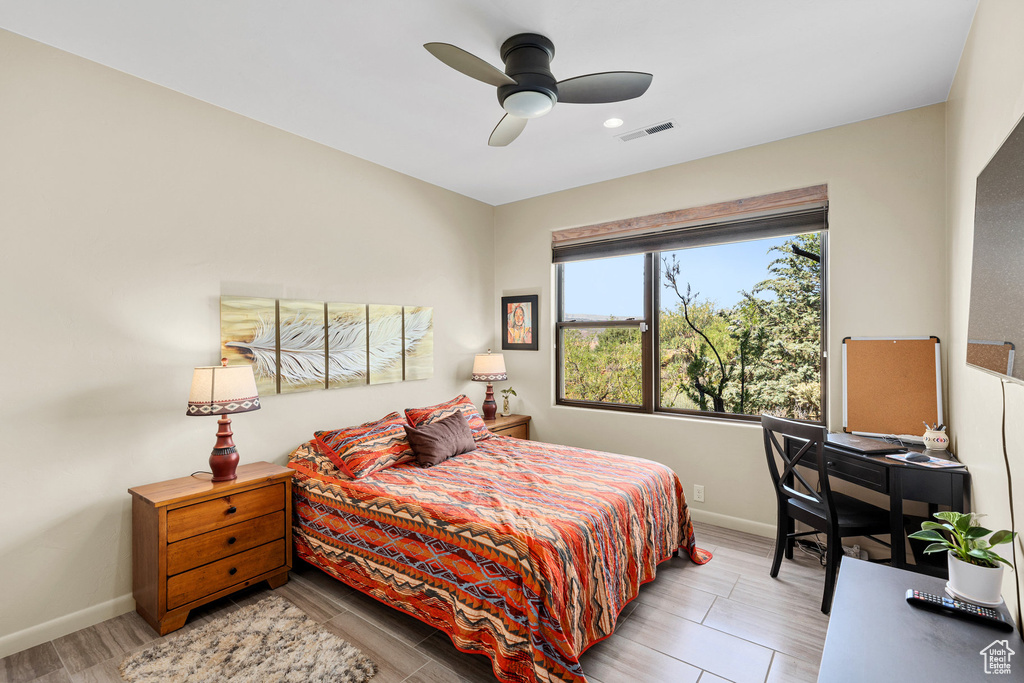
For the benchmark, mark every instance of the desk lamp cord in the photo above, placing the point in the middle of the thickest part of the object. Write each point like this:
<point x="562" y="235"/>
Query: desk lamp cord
<point x="1013" y="522"/>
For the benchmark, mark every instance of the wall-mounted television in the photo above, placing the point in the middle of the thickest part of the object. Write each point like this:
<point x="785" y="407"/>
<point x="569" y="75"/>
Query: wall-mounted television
<point x="995" y="330"/>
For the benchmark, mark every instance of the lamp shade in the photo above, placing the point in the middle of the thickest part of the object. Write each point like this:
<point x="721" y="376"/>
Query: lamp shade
<point x="489" y="367"/>
<point x="222" y="389"/>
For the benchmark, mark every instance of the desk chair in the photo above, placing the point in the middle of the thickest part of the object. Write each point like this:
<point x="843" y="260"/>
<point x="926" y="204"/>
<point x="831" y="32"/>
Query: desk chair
<point x="835" y="514"/>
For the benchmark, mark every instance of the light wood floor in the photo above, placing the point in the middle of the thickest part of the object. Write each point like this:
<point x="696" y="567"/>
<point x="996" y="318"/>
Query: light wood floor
<point x="724" y="621"/>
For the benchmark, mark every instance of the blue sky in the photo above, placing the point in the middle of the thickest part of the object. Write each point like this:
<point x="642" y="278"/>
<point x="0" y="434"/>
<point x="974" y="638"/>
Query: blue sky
<point x="614" y="286"/>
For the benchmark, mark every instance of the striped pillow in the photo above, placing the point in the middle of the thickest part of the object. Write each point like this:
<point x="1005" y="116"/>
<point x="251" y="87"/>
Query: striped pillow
<point x="460" y="404"/>
<point x="310" y="455"/>
<point x="370" y="447"/>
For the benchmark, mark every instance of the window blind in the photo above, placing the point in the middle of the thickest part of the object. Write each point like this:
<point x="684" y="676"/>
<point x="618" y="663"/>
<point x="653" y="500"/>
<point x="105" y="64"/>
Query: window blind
<point x="777" y="215"/>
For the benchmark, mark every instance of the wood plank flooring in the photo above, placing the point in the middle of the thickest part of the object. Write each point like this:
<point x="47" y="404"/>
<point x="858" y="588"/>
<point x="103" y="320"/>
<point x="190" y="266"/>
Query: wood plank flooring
<point x="724" y="621"/>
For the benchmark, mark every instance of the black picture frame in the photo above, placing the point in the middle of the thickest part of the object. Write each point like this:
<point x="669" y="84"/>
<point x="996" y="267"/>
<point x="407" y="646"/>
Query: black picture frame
<point x="522" y="340"/>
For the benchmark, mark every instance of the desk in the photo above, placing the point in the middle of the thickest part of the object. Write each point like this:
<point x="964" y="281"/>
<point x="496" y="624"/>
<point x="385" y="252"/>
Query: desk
<point x="900" y="481"/>
<point x="874" y="635"/>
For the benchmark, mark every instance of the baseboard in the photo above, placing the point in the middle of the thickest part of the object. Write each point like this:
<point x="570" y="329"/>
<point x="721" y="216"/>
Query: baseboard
<point x="736" y="523"/>
<point x="61" y="626"/>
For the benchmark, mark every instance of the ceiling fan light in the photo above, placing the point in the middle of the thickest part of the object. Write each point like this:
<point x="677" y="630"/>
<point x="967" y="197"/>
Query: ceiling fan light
<point x="528" y="104"/>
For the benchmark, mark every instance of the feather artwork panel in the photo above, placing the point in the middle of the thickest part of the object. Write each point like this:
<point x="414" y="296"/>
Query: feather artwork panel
<point x="385" y="342"/>
<point x="346" y="345"/>
<point x="248" y="333"/>
<point x="419" y="342"/>
<point x="303" y="345"/>
<point x="303" y="356"/>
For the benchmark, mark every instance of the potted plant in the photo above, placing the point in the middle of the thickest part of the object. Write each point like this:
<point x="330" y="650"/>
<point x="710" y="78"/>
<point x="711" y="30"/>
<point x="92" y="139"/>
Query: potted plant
<point x="975" y="571"/>
<point x="505" y="393"/>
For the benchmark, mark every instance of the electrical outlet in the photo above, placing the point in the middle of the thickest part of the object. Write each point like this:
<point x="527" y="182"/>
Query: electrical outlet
<point x="698" y="493"/>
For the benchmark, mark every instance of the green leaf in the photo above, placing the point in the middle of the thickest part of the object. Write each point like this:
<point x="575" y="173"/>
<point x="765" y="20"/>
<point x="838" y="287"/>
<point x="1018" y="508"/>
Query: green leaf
<point x="963" y="524"/>
<point x="948" y="516"/>
<point x="928" y="535"/>
<point x="1000" y="559"/>
<point x="1001" y="536"/>
<point x="928" y="524"/>
<point x="977" y="532"/>
<point x="936" y="548"/>
<point x="988" y="557"/>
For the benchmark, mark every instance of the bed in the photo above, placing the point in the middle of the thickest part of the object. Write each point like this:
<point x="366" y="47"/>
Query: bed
<point x="521" y="551"/>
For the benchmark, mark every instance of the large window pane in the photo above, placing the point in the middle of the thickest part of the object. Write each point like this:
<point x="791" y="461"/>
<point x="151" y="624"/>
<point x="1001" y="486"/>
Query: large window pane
<point x="602" y="364"/>
<point x="604" y="289"/>
<point x="740" y="328"/>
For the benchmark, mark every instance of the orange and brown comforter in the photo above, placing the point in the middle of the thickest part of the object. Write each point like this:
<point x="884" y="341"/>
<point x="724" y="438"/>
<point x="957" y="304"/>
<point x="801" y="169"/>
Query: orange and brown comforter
<point x="522" y="551"/>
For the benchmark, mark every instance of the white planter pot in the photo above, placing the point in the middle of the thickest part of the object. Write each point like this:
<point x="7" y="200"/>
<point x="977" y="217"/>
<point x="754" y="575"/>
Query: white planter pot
<point x="982" y="584"/>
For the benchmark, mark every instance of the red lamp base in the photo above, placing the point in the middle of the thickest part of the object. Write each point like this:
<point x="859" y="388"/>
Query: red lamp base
<point x="223" y="465"/>
<point x="490" y="407"/>
<point x="224" y="458"/>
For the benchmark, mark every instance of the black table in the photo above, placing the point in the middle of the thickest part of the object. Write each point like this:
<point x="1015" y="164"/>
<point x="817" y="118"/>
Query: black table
<point x="875" y="635"/>
<point x="900" y="481"/>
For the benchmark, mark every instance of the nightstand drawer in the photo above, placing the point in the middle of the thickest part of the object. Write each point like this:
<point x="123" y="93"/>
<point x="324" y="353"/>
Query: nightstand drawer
<point x="519" y="432"/>
<point x="231" y="540"/>
<point x="193" y="585"/>
<point x="517" y="426"/>
<point x="193" y="520"/>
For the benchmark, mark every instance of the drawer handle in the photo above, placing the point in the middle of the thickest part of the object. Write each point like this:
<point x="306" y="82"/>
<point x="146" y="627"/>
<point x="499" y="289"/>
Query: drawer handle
<point x="232" y="571"/>
<point x="231" y="541"/>
<point x="232" y="510"/>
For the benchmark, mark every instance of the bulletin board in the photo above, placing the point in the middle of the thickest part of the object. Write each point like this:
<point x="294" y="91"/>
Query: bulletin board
<point x="996" y="356"/>
<point x="891" y="386"/>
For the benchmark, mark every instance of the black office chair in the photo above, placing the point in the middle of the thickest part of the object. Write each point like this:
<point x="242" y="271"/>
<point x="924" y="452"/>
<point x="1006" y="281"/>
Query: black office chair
<point x="835" y="514"/>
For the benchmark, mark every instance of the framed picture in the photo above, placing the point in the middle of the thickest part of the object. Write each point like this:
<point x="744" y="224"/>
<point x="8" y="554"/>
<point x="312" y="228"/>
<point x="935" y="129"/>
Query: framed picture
<point x="520" y="315"/>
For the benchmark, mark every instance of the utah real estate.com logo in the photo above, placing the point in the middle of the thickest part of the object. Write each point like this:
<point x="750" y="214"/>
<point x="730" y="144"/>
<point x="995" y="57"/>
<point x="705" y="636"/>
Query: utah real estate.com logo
<point x="997" y="657"/>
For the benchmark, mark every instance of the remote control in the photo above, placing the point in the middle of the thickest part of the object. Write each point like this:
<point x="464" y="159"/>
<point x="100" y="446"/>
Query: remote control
<point x="959" y="609"/>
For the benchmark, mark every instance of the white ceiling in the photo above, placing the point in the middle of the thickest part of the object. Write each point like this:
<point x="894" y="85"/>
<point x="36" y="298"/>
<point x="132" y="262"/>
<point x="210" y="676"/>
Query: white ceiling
<point x="353" y="75"/>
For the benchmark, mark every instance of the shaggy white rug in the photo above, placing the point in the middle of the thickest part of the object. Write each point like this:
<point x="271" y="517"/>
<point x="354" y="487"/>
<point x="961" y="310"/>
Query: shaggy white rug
<point x="272" y="640"/>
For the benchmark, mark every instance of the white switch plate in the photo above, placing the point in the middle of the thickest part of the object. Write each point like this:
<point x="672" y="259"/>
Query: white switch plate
<point x="698" y="493"/>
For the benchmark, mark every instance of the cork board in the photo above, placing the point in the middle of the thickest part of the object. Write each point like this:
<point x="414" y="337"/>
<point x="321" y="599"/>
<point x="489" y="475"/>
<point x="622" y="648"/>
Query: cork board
<point x="891" y="386"/>
<point x="991" y="355"/>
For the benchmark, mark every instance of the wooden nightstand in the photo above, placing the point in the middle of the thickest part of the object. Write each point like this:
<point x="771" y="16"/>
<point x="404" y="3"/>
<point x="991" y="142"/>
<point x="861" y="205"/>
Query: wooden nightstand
<point x="194" y="540"/>
<point x="513" y="425"/>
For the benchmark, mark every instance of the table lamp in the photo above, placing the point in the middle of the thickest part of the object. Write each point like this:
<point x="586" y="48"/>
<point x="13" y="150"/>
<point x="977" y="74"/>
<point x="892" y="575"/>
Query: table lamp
<point x="489" y="367"/>
<point x="221" y="390"/>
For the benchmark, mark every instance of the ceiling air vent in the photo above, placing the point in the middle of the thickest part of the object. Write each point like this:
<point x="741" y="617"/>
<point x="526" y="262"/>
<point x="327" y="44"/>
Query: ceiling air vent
<point x="649" y="130"/>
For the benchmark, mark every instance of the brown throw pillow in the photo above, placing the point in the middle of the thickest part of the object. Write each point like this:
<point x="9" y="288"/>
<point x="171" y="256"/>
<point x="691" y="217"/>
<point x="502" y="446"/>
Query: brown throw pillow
<point x="436" y="442"/>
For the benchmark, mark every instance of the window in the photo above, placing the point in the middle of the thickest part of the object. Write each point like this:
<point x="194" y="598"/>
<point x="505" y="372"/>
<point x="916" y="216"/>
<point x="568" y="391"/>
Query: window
<point x="601" y="348"/>
<point x="731" y="329"/>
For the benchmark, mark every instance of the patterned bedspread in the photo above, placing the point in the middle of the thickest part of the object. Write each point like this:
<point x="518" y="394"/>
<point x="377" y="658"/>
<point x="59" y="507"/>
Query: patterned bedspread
<point x="522" y="551"/>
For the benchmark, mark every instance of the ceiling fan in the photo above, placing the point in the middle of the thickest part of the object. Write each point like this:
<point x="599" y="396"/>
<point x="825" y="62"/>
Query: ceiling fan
<point x="527" y="89"/>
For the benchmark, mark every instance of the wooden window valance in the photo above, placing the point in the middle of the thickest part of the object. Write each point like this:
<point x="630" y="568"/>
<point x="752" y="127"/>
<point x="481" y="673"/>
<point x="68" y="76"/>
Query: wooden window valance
<point x="777" y="214"/>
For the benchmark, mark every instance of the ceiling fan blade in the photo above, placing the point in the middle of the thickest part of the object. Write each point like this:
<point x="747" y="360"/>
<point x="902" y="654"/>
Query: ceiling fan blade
<point x="610" y="86"/>
<point x="469" y="64"/>
<point x="507" y="130"/>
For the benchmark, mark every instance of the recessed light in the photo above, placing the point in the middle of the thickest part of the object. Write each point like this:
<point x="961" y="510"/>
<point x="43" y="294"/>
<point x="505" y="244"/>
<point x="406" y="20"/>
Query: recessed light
<point x="613" y="123"/>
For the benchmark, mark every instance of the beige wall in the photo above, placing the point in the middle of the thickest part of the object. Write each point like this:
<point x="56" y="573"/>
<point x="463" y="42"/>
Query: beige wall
<point x="127" y="210"/>
<point x="985" y="103"/>
<point x="886" y="277"/>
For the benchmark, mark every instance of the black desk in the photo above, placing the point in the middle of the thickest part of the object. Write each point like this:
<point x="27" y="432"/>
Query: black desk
<point x="874" y="635"/>
<point x="900" y="481"/>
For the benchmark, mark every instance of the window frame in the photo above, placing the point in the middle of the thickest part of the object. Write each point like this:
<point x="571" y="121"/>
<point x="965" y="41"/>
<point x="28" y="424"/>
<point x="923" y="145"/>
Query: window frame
<point x="646" y="381"/>
<point x="649" y="345"/>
